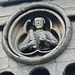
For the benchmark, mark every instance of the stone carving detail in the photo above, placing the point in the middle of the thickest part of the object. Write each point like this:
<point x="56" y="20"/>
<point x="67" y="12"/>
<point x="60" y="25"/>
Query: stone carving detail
<point x="37" y="33"/>
<point x="38" y="41"/>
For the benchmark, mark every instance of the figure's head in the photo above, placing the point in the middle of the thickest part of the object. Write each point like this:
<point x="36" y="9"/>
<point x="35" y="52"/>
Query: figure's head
<point x="38" y="22"/>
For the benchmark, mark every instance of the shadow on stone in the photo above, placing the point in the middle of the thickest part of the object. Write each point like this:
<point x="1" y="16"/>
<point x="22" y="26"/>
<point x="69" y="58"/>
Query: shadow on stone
<point x="70" y="70"/>
<point x="39" y="71"/>
<point x="6" y="73"/>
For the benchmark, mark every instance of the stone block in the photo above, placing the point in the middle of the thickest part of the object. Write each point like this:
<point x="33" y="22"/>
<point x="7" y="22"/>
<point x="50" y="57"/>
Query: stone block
<point x="12" y="63"/>
<point x="51" y="66"/>
<point x="67" y="55"/>
<point x="2" y="52"/>
<point x="4" y="63"/>
<point x="64" y="3"/>
<point x="67" y="5"/>
<point x="70" y="11"/>
<point x="11" y="9"/>
<point x="15" y="70"/>
<point x="3" y="20"/>
<point x="61" y="67"/>
<point x="72" y="42"/>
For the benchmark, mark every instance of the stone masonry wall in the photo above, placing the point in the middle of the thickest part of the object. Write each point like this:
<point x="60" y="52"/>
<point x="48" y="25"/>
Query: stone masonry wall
<point x="56" y="66"/>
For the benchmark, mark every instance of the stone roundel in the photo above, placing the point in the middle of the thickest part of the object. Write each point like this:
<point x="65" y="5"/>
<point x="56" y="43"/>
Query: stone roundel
<point x="18" y="28"/>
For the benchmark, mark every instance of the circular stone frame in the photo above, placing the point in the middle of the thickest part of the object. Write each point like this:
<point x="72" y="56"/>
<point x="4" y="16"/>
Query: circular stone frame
<point x="47" y="57"/>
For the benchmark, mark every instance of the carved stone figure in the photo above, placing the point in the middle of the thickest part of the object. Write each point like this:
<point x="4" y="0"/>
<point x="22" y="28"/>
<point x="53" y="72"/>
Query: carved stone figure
<point x="39" y="39"/>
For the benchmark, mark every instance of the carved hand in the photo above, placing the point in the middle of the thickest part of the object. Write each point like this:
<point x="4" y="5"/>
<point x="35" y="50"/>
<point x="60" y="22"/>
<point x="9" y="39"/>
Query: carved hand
<point x="33" y="43"/>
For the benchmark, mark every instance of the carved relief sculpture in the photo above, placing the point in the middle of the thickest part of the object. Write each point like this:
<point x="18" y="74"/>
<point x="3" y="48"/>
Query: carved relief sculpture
<point x="39" y="40"/>
<point x="37" y="33"/>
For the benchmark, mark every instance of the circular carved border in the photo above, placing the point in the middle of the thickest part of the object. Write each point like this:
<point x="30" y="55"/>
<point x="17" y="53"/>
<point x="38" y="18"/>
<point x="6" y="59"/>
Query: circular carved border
<point x="67" y="33"/>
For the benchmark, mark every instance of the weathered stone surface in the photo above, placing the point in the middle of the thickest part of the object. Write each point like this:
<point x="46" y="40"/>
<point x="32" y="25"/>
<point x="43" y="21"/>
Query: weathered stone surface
<point x="56" y="67"/>
<point x="67" y="55"/>
<point x="70" y="11"/>
<point x="73" y="25"/>
<point x="4" y="63"/>
<point x="72" y="42"/>
<point x="61" y="67"/>
<point x="14" y="70"/>
<point x="0" y="36"/>
<point x="2" y="52"/>
<point x="12" y="63"/>
<point x="3" y="20"/>
<point x="68" y="5"/>
<point x="11" y="9"/>
<point x="50" y="66"/>
<point x="64" y="3"/>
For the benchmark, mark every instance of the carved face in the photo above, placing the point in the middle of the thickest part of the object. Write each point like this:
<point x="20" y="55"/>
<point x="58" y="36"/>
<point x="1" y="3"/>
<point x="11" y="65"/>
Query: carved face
<point x="38" y="22"/>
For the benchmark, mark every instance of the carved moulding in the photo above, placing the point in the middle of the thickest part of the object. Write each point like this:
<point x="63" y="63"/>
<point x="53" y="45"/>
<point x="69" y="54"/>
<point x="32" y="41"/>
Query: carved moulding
<point x="18" y="28"/>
